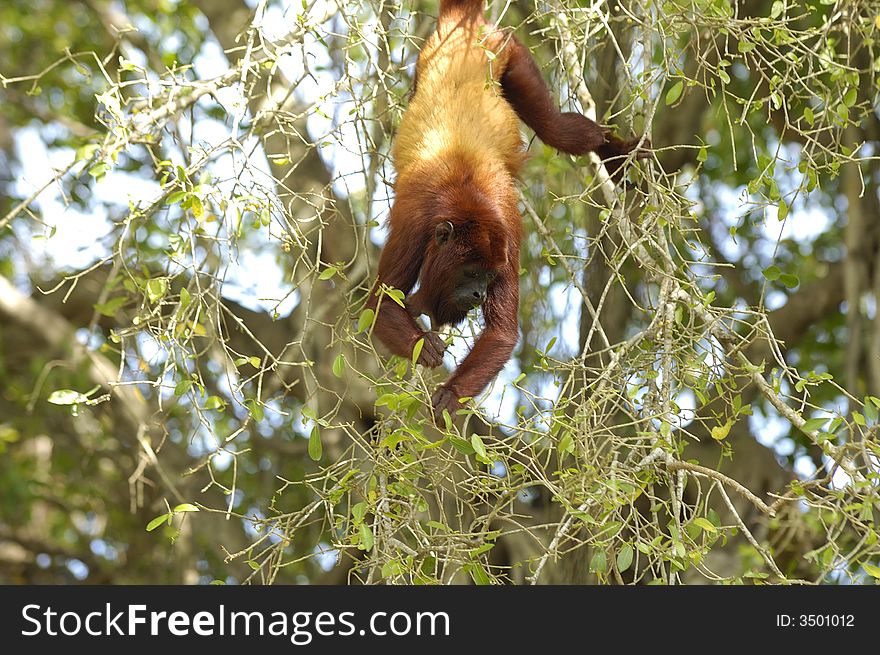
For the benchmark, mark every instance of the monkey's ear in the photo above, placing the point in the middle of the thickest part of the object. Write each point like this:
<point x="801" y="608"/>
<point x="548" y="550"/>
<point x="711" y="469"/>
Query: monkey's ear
<point x="443" y="232"/>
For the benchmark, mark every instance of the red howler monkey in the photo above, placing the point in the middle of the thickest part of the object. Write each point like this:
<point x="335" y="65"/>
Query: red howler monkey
<point x="454" y="224"/>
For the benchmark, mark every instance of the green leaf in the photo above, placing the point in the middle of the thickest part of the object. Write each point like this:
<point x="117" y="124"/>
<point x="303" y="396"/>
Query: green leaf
<point x="873" y="571"/>
<point x="186" y="507"/>
<point x="198" y="209"/>
<point x="678" y="547"/>
<point x="809" y="117"/>
<point x="814" y="424"/>
<point x="214" y="402"/>
<point x="782" y="211"/>
<point x="86" y="151"/>
<point x="788" y="280"/>
<point x="462" y="446"/>
<point x="110" y="307"/>
<point x="66" y="397"/>
<point x="156" y="288"/>
<point x="339" y="365"/>
<point x="566" y="444"/>
<point x="397" y="296"/>
<point x="156" y="522"/>
<point x="476" y="552"/>
<point x="720" y="432"/>
<point x="366" y="319"/>
<point x="176" y="197"/>
<point x="417" y="350"/>
<point x="8" y="435"/>
<point x="772" y="273"/>
<point x="401" y="369"/>
<point x="714" y="518"/>
<point x="185" y="298"/>
<point x="745" y="46"/>
<point x="705" y="524"/>
<point x="366" y="537"/>
<point x="776" y="9"/>
<point x="255" y="409"/>
<point x="478" y="574"/>
<point x="447" y="420"/>
<point x="98" y="170"/>
<point x="624" y="558"/>
<point x="182" y="387"/>
<point x="388" y="400"/>
<point x="316" y="448"/>
<point x="674" y="92"/>
<point x="479" y="447"/>
<point x="599" y="563"/>
<point x="358" y="511"/>
<point x="327" y="273"/>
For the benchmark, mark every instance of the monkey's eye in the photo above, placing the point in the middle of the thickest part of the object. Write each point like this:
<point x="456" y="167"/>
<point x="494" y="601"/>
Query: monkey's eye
<point x="492" y="275"/>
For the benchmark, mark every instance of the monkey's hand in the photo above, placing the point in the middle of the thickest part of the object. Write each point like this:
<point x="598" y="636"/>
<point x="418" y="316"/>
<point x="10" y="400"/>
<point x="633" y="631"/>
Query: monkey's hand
<point x="445" y="398"/>
<point x="432" y="350"/>
<point x="615" y="150"/>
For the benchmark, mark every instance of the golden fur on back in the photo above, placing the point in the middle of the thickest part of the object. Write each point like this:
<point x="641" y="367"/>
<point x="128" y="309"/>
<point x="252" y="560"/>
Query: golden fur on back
<point x="458" y="109"/>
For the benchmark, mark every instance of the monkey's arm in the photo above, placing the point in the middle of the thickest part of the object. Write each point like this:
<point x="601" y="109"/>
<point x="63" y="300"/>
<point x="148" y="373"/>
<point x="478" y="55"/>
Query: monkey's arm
<point x="399" y="267"/>
<point x="492" y="348"/>
<point x="524" y="88"/>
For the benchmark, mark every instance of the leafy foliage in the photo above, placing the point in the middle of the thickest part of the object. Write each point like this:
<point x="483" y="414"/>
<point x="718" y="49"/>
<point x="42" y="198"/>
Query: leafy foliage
<point x="190" y="391"/>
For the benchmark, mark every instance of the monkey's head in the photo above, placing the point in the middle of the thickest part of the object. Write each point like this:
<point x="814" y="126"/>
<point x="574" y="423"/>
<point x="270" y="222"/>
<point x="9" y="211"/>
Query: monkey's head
<point x="461" y="262"/>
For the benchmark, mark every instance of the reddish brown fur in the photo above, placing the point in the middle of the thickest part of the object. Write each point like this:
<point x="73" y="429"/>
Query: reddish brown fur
<point x="470" y="184"/>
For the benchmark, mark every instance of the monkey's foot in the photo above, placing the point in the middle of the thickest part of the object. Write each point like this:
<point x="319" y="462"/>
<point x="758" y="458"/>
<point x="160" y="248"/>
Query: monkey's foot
<point x="615" y="150"/>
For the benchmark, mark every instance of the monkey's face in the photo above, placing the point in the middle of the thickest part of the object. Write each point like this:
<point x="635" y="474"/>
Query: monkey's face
<point x="454" y="279"/>
<point x="471" y="287"/>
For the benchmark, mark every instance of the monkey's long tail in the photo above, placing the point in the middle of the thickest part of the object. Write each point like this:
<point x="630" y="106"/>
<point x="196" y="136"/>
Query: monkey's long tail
<point x="466" y="7"/>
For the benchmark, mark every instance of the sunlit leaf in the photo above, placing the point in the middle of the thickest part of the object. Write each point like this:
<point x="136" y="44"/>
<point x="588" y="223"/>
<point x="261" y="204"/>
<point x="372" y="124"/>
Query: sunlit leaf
<point x="705" y="525"/>
<point x="156" y="522"/>
<point x="66" y="397"/>
<point x="720" y="432"/>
